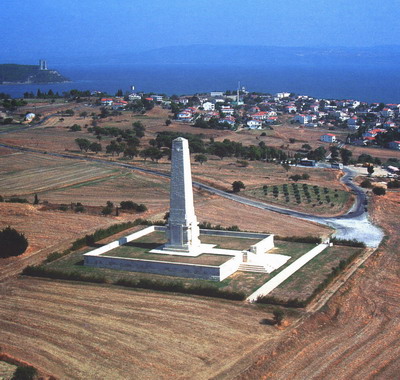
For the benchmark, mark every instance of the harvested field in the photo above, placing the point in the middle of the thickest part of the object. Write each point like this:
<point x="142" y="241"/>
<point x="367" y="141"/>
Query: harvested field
<point x="228" y="213"/>
<point x="111" y="333"/>
<point x="46" y="232"/>
<point x="357" y="334"/>
<point x="61" y="181"/>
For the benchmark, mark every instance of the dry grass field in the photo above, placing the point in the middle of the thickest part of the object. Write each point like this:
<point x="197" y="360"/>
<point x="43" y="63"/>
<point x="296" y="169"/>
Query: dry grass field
<point x="75" y="331"/>
<point x="357" y="334"/>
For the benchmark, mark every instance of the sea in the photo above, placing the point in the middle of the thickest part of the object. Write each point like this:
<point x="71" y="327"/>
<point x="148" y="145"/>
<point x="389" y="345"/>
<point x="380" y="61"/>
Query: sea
<point x="368" y="83"/>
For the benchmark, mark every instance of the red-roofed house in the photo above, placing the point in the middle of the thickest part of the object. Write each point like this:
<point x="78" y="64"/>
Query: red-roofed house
<point x="107" y="101"/>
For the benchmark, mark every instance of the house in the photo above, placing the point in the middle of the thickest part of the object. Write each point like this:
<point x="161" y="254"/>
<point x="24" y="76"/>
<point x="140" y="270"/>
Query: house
<point x="132" y="97"/>
<point x="157" y="98"/>
<point x="259" y="116"/>
<point x="214" y="94"/>
<point x="254" y="124"/>
<point x="185" y="116"/>
<point x="302" y="119"/>
<point x="229" y="120"/>
<point x="272" y="119"/>
<point x="328" y="137"/>
<point x="281" y="95"/>
<point x="352" y="123"/>
<point x="389" y="124"/>
<point x="227" y="110"/>
<point x="119" y="105"/>
<point x="372" y="132"/>
<point x="253" y="110"/>
<point x="394" y="145"/>
<point x="290" y="109"/>
<point x="208" y="106"/>
<point x="107" y="101"/>
<point x="183" y="100"/>
<point x="387" y="112"/>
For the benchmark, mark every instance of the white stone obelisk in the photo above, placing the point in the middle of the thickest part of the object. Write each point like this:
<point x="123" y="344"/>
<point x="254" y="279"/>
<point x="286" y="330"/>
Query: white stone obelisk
<point x="182" y="229"/>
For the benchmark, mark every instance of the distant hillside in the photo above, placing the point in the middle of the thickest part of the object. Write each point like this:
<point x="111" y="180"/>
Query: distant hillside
<point x="13" y="73"/>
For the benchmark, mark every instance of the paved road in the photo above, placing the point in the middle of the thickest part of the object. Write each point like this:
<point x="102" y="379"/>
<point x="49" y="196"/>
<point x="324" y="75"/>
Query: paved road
<point x="352" y="225"/>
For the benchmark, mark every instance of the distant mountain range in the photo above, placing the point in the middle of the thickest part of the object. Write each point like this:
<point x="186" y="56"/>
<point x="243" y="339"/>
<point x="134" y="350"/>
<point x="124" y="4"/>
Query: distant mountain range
<point x="214" y="54"/>
<point x="13" y="73"/>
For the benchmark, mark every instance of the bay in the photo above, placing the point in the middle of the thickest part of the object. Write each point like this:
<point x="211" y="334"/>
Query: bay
<point x="369" y="83"/>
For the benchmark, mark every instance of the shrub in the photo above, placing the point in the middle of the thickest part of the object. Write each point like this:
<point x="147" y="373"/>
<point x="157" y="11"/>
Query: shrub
<point x="348" y="242"/>
<point x="366" y="184"/>
<point x="393" y="184"/>
<point x="379" y="190"/>
<point x="63" y="207"/>
<point x="17" y="200"/>
<point x="12" y="243"/>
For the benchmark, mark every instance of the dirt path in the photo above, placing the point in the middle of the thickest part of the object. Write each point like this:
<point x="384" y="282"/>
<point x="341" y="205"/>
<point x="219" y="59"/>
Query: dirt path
<point x="357" y="334"/>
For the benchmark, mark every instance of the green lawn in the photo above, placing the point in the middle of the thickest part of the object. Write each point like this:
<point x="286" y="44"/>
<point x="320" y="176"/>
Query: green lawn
<point x="302" y="283"/>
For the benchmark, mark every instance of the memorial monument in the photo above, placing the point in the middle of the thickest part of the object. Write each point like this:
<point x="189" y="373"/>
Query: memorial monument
<point x="182" y="229"/>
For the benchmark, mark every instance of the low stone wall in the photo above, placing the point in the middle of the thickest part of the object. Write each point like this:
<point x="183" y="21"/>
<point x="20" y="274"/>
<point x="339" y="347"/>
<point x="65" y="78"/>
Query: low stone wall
<point x="165" y="268"/>
<point x="263" y="245"/>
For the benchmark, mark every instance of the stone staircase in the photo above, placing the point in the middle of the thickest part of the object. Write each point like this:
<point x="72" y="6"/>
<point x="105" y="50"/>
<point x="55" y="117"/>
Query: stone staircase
<point x="245" y="267"/>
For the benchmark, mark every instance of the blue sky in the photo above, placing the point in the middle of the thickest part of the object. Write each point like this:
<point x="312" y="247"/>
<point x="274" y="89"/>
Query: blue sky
<point x="58" y="28"/>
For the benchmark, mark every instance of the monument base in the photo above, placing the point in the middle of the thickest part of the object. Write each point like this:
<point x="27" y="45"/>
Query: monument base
<point x="183" y="251"/>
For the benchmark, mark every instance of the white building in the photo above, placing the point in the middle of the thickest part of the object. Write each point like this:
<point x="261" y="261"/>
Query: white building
<point x="281" y="95"/>
<point x="329" y="138"/>
<point x="254" y="124"/>
<point x="302" y="119"/>
<point x="208" y="106"/>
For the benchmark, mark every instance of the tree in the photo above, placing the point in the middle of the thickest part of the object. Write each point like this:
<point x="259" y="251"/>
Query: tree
<point x="379" y="190"/>
<point x="24" y="373"/>
<point x="278" y="316"/>
<point x="12" y="242"/>
<point x="95" y="147"/>
<point x="83" y="114"/>
<point x="168" y="122"/>
<point x="345" y="154"/>
<point x="83" y="144"/>
<point x="139" y="129"/>
<point x="36" y="200"/>
<point x="370" y="170"/>
<point x="237" y="186"/>
<point x="200" y="158"/>
<point x="130" y="152"/>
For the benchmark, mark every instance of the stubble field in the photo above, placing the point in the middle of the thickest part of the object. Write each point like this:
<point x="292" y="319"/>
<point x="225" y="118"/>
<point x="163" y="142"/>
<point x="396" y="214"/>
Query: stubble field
<point x="357" y="334"/>
<point x="73" y="331"/>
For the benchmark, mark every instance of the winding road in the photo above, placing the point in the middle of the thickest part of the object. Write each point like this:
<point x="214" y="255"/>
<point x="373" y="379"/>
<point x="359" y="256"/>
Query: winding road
<point x="352" y="225"/>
